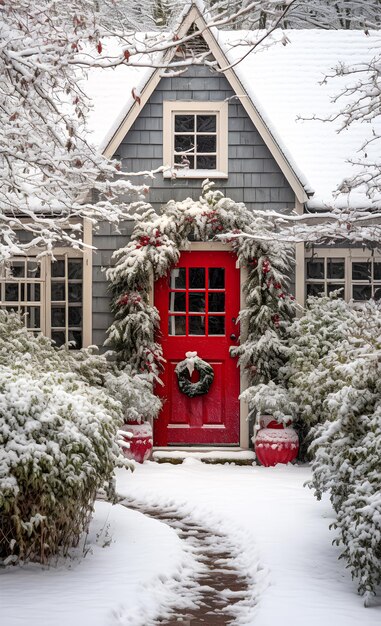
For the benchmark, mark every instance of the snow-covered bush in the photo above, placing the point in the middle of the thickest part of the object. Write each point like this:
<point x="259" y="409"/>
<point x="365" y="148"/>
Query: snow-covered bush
<point x="334" y="374"/>
<point x="59" y="415"/>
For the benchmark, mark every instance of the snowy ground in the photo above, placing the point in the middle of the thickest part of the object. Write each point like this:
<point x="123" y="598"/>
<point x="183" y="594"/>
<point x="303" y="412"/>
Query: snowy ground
<point x="136" y="566"/>
<point x="280" y="528"/>
<point x="128" y="573"/>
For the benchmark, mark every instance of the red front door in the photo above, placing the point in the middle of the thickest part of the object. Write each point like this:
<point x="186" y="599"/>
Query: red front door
<point x="198" y="304"/>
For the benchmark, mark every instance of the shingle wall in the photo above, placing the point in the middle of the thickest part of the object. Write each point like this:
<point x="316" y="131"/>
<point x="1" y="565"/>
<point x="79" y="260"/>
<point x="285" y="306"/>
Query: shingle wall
<point x="254" y="176"/>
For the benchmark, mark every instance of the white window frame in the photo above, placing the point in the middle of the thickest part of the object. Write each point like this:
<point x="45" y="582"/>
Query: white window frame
<point x="45" y="280"/>
<point x="349" y="255"/>
<point x="172" y="108"/>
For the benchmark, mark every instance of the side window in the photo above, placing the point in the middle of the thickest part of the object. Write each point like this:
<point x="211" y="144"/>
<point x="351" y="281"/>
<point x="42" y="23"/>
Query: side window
<point x="22" y="291"/>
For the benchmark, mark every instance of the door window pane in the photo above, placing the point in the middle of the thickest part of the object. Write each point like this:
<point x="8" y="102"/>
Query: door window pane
<point x="216" y="325"/>
<point x="197" y="302"/>
<point x="177" y="301"/>
<point x="196" y="278"/>
<point x="58" y="336"/>
<point x="196" y="325"/>
<point x="177" y="278"/>
<point x="217" y="302"/>
<point x="33" y="317"/>
<point x="176" y="325"/>
<point x="75" y="339"/>
<point x="18" y="269"/>
<point x="33" y="292"/>
<point x="216" y="277"/>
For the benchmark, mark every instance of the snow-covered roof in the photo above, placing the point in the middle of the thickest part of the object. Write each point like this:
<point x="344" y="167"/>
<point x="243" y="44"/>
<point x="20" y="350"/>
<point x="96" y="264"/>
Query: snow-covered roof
<point x="284" y="83"/>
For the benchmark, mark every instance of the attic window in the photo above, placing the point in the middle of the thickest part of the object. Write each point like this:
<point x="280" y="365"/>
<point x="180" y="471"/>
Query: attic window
<point x="195" y="139"/>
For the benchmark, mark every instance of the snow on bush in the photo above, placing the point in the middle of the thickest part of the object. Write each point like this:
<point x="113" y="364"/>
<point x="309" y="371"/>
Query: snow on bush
<point x="59" y="414"/>
<point x="334" y="374"/>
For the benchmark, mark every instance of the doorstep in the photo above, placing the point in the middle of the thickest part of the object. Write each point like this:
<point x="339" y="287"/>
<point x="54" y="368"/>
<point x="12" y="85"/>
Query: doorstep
<point x="238" y="456"/>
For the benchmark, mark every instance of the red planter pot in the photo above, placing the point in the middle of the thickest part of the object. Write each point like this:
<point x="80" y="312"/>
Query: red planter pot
<point x="276" y="445"/>
<point x="140" y="442"/>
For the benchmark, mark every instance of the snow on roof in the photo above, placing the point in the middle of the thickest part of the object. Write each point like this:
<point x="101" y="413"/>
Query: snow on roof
<point x="284" y="83"/>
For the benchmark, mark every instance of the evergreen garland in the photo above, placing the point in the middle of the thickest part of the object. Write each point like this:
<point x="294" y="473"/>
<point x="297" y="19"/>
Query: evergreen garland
<point x="155" y="247"/>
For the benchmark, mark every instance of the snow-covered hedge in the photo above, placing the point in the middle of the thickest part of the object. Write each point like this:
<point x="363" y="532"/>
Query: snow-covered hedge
<point x="334" y="374"/>
<point x="59" y="414"/>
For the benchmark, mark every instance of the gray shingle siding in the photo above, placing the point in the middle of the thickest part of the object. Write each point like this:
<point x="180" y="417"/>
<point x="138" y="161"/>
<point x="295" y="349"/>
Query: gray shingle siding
<point x="254" y="176"/>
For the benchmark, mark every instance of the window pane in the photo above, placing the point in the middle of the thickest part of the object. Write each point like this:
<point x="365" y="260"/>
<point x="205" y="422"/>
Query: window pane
<point x="331" y="287"/>
<point x="377" y="293"/>
<point x="196" y="325"/>
<point x="186" y="161"/>
<point x="361" y="271"/>
<point x="34" y="269"/>
<point x="184" y="143"/>
<point x="362" y="292"/>
<point x="377" y="271"/>
<point x="75" y="292"/>
<point x="216" y="278"/>
<point x="34" y="292"/>
<point x="206" y="123"/>
<point x="217" y="302"/>
<point x="315" y="289"/>
<point x="18" y="269"/>
<point x="58" y="336"/>
<point x="75" y="339"/>
<point x="58" y="291"/>
<point x="75" y="269"/>
<point x="206" y="162"/>
<point x="176" y="301"/>
<point x="12" y="292"/>
<point x="58" y="317"/>
<point x="206" y="143"/>
<point x="58" y="268"/>
<point x="216" y="325"/>
<point x="177" y="278"/>
<point x="335" y="268"/>
<point x="315" y="268"/>
<point x="75" y="316"/>
<point x="196" y="277"/>
<point x="184" y="123"/>
<point x="197" y="302"/>
<point x="33" y="317"/>
<point x="176" y="325"/>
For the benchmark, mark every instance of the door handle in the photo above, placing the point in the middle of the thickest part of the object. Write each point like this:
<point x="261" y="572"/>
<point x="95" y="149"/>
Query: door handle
<point x="233" y="337"/>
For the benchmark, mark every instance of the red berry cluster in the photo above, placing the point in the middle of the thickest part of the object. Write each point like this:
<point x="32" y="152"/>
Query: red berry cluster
<point x="146" y="240"/>
<point x="214" y="220"/>
<point x="129" y="298"/>
<point x="276" y="319"/>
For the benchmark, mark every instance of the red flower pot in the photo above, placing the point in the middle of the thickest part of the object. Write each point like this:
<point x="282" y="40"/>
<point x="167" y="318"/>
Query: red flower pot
<point x="276" y="445"/>
<point x="140" y="442"/>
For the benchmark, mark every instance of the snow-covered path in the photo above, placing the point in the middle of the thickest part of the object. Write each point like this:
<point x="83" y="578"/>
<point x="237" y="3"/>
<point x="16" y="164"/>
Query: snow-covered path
<point x="286" y="546"/>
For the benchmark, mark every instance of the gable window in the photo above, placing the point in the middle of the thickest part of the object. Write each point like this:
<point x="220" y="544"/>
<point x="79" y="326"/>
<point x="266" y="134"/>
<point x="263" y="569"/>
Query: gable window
<point x="357" y="273"/>
<point x="195" y="139"/>
<point x="48" y="295"/>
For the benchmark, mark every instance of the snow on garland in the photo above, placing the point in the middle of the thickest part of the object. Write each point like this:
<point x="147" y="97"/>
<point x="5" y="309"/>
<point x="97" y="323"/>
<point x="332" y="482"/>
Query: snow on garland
<point x="184" y="371"/>
<point x="155" y="247"/>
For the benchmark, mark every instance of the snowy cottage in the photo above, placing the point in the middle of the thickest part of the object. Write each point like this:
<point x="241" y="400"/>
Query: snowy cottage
<point x="238" y="128"/>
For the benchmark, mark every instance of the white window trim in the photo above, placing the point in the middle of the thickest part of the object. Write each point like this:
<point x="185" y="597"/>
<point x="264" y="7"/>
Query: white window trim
<point x="349" y="255"/>
<point x="170" y="108"/>
<point x="45" y="302"/>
